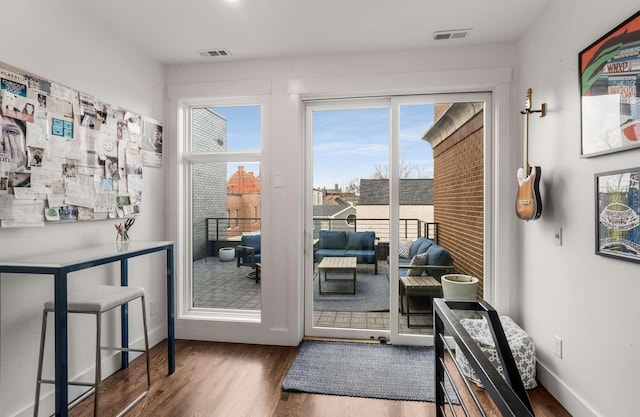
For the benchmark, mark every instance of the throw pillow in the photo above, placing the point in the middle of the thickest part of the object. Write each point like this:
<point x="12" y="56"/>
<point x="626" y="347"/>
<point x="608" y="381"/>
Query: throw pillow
<point x="404" y="248"/>
<point x="418" y="260"/>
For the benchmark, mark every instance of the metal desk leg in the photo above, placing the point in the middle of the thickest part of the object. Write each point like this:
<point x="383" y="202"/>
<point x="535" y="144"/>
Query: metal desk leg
<point x="171" y="334"/>
<point x="61" y="345"/>
<point x="124" y="316"/>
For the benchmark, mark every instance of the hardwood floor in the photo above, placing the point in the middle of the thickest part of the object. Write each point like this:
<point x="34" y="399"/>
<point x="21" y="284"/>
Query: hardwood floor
<point x="229" y="380"/>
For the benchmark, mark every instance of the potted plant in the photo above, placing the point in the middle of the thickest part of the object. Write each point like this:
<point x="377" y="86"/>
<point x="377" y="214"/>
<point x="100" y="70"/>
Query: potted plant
<point x="459" y="287"/>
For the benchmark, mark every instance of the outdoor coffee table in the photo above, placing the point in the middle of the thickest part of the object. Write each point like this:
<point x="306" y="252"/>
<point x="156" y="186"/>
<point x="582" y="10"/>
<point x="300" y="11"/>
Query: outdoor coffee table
<point x="337" y="264"/>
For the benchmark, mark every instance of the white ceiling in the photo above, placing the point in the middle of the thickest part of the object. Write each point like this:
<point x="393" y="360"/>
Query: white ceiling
<point x="171" y="31"/>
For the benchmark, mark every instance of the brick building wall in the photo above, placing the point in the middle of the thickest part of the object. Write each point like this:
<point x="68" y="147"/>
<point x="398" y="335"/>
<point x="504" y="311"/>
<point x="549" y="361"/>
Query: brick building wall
<point x="439" y="109"/>
<point x="209" y="181"/>
<point x="458" y="196"/>
<point x="244" y="199"/>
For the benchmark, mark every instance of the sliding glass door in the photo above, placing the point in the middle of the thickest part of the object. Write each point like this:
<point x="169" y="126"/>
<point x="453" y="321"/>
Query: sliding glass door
<point x="370" y="195"/>
<point x="347" y="294"/>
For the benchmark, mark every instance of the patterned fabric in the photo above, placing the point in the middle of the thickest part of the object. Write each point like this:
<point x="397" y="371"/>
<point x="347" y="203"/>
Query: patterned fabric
<point x="521" y="344"/>
<point x="418" y="260"/>
<point x="404" y="248"/>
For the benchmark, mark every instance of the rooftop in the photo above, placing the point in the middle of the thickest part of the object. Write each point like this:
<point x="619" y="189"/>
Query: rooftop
<point x="413" y="192"/>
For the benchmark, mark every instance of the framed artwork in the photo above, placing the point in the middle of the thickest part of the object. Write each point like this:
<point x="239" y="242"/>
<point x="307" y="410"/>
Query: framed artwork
<point x="610" y="91"/>
<point x="617" y="214"/>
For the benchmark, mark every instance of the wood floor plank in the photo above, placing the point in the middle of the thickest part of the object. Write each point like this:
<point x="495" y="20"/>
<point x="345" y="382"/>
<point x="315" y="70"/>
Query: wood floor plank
<point x="228" y="380"/>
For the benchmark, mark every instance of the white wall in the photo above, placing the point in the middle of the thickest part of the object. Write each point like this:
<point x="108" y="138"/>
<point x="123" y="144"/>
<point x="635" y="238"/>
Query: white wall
<point x="449" y="69"/>
<point x="589" y="301"/>
<point x="43" y="39"/>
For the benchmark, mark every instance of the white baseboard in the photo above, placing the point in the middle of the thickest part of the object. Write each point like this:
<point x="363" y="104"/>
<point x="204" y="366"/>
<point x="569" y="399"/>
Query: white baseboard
<point x="575" y="405"/>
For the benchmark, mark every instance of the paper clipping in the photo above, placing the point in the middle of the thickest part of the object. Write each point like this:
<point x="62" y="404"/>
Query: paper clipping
<point x="67" y="155"/>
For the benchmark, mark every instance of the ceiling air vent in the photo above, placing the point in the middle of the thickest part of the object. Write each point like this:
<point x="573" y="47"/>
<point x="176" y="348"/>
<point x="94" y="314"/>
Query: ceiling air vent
<point x="213" y="52"/>
<point x="451" y="34"/>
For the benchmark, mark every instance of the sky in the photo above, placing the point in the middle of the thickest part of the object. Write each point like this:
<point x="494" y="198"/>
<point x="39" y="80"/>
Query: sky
<point x="243" y="133"/>
<point x="347" y="144"/>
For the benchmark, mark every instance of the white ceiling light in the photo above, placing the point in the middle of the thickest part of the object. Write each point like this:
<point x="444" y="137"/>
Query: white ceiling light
<point x="451" y="34"/>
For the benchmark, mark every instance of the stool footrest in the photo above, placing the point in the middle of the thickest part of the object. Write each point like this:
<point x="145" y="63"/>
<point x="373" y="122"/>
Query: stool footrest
<point x="132" y="404"/>
<point x="79" y="383"/>
<point x="121" y="349"/>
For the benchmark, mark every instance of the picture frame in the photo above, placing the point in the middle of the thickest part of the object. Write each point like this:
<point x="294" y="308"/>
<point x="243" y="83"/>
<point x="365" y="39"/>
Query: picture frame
<point x="618" y="214"/>
<point x="609" y="81"/>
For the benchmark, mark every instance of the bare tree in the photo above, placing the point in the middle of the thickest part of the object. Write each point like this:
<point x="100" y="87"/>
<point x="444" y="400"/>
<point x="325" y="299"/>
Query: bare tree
<point x="381" y="171"/>
<point x="353" y="186"/>
<point x="407" y="170"/>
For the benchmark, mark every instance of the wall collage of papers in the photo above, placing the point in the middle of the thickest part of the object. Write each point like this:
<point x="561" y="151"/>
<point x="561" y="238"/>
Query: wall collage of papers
<point x="67" y="156"/>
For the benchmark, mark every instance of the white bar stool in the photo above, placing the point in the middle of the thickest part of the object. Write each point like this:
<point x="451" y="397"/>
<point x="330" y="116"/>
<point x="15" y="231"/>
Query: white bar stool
<point x="96" y="300"/>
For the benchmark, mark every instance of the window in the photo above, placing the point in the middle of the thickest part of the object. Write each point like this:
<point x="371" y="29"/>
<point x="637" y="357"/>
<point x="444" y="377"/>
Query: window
<point x="222" y="165"/>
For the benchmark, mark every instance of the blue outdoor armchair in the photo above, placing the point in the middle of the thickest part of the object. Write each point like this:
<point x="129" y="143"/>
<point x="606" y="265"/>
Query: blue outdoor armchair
<point x="249" y="251"/>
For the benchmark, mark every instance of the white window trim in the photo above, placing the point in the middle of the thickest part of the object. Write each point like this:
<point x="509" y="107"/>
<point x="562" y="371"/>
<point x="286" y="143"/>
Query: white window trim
<point x="183" y="235"/>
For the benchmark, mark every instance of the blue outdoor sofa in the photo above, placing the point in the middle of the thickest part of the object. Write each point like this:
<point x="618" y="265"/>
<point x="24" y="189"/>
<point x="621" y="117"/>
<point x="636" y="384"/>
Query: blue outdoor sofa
<point x="340" y="243"/>
<point x="439" y="260"/>
<point x="438" y="263"/>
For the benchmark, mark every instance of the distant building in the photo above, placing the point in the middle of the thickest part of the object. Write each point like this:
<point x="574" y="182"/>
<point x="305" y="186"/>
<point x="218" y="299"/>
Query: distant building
<point x="209" y="194"/>
<point x="416" y="204"/>
<point x="333" y="217"/>
<point x="317" y="197"/>
<point x="337" y="196"/>
<point x="243" y="202"/>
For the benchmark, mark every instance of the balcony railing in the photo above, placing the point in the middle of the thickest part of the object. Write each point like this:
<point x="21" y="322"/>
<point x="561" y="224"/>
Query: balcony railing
<point x="225" y="228"/>
<point x="224" y="231"/>
<point x="410" y="229"/>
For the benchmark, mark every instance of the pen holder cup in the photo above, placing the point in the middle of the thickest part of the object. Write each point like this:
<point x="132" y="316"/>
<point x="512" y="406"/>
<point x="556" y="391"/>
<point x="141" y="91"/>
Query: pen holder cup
<point x="122" y="244"/>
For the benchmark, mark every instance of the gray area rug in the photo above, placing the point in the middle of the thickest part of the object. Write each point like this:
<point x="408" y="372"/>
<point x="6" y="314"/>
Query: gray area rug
<point x="372" y="294"/>
<point x="364" y="370"/>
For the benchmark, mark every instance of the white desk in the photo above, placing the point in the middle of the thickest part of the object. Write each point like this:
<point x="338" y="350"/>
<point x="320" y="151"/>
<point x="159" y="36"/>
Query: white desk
<point x="62" y="263"/>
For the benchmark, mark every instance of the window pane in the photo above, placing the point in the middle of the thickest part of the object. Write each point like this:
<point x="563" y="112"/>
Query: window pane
<point x="219" y="129"/>
<point x="225" y="208"/>
<point x="416" y="216"/>
<point x="350" y="146"/>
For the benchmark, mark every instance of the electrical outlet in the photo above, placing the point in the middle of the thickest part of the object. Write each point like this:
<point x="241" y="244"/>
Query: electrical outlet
<point x="557" y="236"/>
<point x="153" y="306"/>
<point x="557" y="346"/>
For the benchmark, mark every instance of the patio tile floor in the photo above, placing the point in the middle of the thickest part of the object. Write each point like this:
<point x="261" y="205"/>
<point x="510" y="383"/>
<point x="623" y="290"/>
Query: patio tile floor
<point x="223" y="285"/>
<point x="219" y="284"/>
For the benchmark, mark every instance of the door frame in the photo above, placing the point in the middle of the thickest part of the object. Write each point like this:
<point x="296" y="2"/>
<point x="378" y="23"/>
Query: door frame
<point x="393" y="102"/>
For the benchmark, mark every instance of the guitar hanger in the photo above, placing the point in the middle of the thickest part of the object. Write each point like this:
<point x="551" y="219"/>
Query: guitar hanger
<point x="527" y="108"/>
